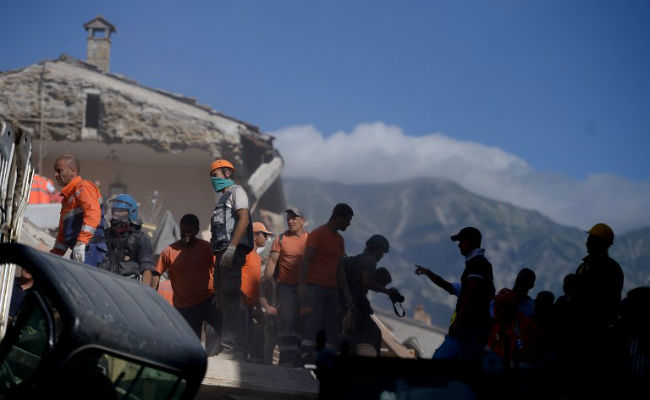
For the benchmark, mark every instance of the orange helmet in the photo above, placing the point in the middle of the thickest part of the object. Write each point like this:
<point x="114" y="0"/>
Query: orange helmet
<point x="221" y="164"/>
<point x="603" y="231"/>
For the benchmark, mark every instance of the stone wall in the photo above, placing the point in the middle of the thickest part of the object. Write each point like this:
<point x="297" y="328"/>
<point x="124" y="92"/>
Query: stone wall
<point x="129" y="113"/>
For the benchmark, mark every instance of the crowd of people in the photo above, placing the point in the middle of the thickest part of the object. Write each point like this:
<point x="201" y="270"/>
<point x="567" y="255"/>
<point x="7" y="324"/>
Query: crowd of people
<point x="245" y="307"/>
<point x="586" y="343"/>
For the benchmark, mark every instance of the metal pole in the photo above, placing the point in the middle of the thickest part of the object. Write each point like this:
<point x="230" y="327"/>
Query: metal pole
<point x="41" y="143"/>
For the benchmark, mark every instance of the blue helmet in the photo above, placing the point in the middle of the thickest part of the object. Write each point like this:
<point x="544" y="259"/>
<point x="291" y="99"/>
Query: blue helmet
<point x="127" y="202"/>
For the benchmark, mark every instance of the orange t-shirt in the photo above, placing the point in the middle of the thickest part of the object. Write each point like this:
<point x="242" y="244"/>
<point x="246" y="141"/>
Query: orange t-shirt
<point x="291" y="251"/>
<point x="329" y="248"/>
<point x="250" y="278"/>
<point x="190" y="272"/>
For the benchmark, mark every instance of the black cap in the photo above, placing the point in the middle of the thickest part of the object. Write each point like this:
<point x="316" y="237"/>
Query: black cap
<point x="469" y="233"/>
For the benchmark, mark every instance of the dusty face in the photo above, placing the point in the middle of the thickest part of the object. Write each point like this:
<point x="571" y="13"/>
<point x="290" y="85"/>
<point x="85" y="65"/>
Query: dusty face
<point x="294" y="222"/>
<point x="188" y="233"/>
<point x="260" y="239"/>
<point x="64" y="172"/>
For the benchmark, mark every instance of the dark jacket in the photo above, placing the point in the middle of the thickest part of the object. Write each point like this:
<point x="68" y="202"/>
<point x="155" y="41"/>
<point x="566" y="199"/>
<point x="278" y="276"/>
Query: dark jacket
<point x="477" y="311"/>
<point x="355" y="267"/>
<point x="129" y="253"/>
<point x="599" y="282"/>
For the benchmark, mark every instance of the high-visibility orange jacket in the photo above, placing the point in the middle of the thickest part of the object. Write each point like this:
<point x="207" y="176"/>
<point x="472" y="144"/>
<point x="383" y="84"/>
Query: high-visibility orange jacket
<point x="81" y="215"/>
<point x="41" y="190"/>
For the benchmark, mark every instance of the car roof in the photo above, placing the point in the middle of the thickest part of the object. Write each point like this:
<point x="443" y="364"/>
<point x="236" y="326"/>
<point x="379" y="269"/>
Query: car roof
<point x="107" y="310"/>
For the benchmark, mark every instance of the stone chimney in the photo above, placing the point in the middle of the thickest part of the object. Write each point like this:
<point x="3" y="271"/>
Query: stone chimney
<point x="99" y="42"/>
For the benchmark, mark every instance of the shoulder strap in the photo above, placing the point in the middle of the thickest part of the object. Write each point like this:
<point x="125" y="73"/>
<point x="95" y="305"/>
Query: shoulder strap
<point x="224" y="197"/>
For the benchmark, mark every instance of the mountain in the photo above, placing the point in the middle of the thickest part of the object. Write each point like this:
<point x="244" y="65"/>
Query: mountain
<point x="419" y="215"/>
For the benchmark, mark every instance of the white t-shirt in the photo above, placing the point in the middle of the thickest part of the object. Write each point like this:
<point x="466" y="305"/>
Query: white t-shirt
<point x="238" y="199"/>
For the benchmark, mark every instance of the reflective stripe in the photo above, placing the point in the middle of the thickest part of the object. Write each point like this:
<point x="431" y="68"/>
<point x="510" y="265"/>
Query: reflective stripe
<point x="309" y="343"/>
<point x="60" y="246"/>
<point x="88" y="228"/>
<point x="39" y="190"/>
<point x="474" y="276"/>
<point x="73" y="212"/>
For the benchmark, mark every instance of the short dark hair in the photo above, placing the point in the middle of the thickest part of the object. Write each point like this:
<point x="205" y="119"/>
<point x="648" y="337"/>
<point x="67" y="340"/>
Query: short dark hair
<point x="190" y="220"/>
<point x="342" y="210"/>
<point x="70" y="159"/>
<point x="529" y="272"/>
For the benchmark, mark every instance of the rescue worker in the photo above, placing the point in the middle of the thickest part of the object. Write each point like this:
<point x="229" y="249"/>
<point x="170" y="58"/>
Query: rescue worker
<point x="471" y="322"/>
<point x="361" y="274"/>
<point x="284" y="267"/>
<point x="129" y="249"/>
<point x="596" y="306"/>
<point x="231" y="240"/>
<point x="252" y="332"/>
<point x="321" y="273"/>
<point x="81" y="224"/>
<point x="599" y="281"/>
<point x="41" y="191"/>
<point x="189" y="263"/>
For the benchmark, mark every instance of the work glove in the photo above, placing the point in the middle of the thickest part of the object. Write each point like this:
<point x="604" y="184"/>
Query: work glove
<point x="79" y="252"/>
<point x="227" y="257"/>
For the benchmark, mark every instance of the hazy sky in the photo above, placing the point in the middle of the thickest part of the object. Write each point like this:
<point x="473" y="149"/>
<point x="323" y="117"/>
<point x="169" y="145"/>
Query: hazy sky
<point x="559" y="90"/>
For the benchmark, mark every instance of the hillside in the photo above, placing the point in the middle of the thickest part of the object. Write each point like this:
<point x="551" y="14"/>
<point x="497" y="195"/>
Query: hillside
<point x="419" y="215"/>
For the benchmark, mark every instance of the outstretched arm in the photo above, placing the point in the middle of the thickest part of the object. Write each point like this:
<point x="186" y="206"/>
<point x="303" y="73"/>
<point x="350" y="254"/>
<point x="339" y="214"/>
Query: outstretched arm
<point x="435" y="278"/>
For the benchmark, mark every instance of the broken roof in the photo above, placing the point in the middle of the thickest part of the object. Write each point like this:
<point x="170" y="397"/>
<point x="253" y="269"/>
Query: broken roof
<point x="129" y="112"/>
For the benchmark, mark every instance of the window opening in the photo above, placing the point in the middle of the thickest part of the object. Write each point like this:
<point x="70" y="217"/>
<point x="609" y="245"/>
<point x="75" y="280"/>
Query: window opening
<point x="92" y="110"/>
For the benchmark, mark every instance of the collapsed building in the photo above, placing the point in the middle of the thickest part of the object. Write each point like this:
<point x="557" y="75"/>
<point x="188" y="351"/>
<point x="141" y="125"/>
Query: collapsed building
<point x="150" y="143"/>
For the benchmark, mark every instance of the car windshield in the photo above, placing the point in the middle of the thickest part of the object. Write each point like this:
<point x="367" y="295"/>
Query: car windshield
<point x="97" y="372"/>
<point x="26" y="348"/>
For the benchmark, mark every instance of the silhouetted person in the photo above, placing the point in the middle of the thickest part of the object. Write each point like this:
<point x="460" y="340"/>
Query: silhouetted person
<point x="515" y="338"/>
<point x="524" y="282"/>
<point x="562" y="314"/>
<point x="599" y="281"/>
<point x="634" y="343"/>
<point x="596" y="303"/>
<point x="569" y="288"/>
<point x="543" y="315"/>
<point x="361" y="273"/>
<point x="471" y="323"/>
<point x="321" y="277"/>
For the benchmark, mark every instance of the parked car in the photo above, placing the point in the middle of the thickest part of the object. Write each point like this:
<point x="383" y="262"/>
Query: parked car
<point x="84" y="333"/>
